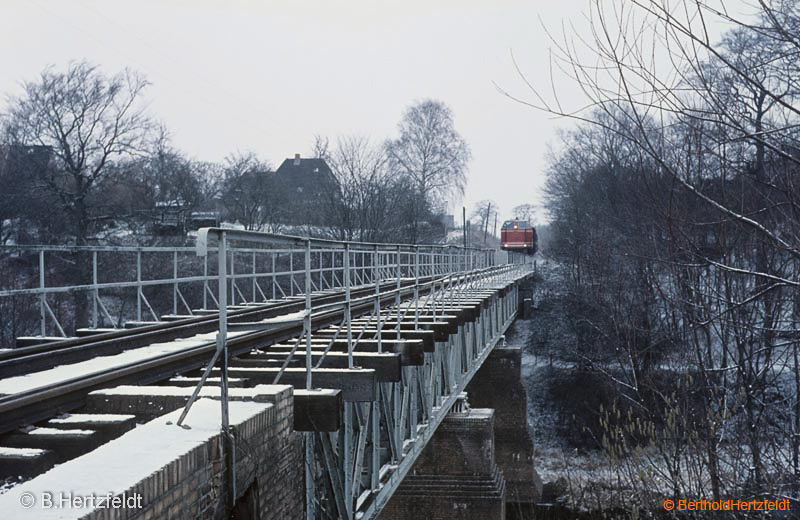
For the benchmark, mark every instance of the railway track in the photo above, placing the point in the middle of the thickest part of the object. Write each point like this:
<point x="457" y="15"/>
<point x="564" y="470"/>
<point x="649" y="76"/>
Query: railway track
<point x="48" y="401"/>
<point x="48" y="355"/>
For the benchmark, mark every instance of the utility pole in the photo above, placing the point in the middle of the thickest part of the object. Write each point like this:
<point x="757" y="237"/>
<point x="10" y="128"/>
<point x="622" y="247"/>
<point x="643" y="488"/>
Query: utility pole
<point x="495" y="225"/>
<point x="464" y="223"/>
<point x="486" y="222"/>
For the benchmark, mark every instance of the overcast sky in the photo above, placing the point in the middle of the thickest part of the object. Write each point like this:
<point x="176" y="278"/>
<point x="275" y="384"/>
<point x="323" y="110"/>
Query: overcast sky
<point x="267" y="76"/>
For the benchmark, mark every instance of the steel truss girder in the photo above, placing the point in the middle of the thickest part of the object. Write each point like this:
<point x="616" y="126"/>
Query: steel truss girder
<point x="380" y="441"/>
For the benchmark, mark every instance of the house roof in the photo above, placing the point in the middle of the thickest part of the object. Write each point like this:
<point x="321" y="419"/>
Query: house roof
<point x="305" y="167"/>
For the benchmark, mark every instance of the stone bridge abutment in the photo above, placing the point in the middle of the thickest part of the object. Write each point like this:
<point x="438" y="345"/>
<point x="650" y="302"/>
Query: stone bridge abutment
<point x="479" y="464"/>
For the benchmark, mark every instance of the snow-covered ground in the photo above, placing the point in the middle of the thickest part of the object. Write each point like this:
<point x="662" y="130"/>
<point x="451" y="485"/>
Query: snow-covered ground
<point x="567" y="459"/>
<point x="575" y="473"/>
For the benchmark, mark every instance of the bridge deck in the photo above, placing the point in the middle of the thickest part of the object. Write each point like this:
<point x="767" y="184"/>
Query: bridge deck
<point x="376" y="362"/>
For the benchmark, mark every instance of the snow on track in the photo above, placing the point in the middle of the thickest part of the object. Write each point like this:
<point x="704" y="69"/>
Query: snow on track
<point x="20" y="452"/>
<point x="81" y="418"/>
<point x="16" y="384"/>
<point x="56" y="431"/>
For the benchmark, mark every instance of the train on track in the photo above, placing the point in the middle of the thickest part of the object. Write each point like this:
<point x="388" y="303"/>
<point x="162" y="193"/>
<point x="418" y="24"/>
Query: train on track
<point x="518" y="235"/>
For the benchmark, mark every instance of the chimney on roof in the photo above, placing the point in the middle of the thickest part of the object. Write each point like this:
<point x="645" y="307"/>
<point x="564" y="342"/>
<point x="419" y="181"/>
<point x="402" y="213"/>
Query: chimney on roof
<point x="297" y="159"/>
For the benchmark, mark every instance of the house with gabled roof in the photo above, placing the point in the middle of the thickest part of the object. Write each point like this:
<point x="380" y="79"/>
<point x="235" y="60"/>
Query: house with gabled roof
<point x="306" y="187"/>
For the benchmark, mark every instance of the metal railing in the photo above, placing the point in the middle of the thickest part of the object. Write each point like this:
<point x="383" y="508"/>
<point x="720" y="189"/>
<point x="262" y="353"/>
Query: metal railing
<point x="122" y="284"/>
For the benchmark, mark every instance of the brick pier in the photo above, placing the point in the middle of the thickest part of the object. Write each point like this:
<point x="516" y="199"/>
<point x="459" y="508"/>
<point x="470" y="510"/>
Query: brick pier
<point x="455" y="477"/>
<point x="498" y="385"/>
<point x="480" y="461"/>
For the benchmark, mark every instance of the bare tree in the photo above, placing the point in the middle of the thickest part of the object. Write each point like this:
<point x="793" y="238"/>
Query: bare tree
<point x="369" y="203"/>
<point x="164" y="183"/>
<point x="174" y="177"/>
<point x="321" y="149"/>
<point x="431" y="154"/>
<point x="249" y="192"/>
<point x="524" y="212"/>
<point x="89" y="121"/>
<point x="687" y="234"/>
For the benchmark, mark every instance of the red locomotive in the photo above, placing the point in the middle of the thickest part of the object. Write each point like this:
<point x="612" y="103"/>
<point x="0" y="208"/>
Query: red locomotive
<point x="518" y="235"/>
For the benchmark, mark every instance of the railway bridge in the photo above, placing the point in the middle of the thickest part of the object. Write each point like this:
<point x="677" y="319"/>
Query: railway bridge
<point x="259" y="375"/>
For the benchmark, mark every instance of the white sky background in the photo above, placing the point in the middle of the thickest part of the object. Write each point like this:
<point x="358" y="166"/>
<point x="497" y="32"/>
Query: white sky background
<point x="267" y="76"/>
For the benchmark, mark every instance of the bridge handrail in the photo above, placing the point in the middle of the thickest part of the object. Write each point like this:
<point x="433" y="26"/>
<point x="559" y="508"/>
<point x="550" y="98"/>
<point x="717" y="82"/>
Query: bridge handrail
<point x="328" y="270"/>
<point x="293" y="240"/>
